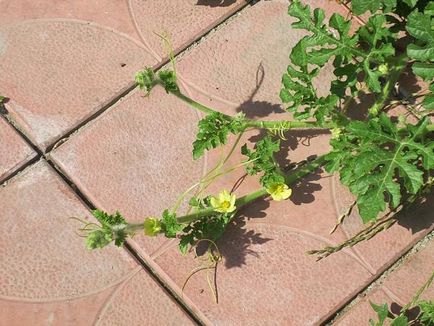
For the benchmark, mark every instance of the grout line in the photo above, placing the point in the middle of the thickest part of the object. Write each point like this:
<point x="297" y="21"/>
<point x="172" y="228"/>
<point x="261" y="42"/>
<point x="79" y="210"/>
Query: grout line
<point x="378" y="280"/>
<point x="115" y="99"/>
<point x="159" y="279"/>
<point x="185" y="49"/>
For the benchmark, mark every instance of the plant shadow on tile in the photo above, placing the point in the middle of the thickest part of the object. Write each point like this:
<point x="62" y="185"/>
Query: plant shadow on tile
<point x="423" y="210"/>
<point x="235" y="245"/>
<point x="258" y="109"/>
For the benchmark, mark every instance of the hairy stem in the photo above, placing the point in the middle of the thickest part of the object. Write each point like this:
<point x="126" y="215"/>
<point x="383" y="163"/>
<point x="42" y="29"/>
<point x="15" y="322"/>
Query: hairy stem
<point x="398" y="66"/>
<point x="248" y="123"/>
<point x="242" y="201"/>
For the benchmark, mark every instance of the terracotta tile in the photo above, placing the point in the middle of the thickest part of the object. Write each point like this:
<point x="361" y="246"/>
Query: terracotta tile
<point x="413" y="225"/>
<point x="81" y="311"/>
<point x="112" y="14"/>
<point x="266" y="278"/>
<point x="41" y="256"/>
<point x="14" y="151"/>
<point x="241" y="66"/>
<point x="362" y="311"/>
<point x="397" y="289"/>
<point x="182" y="21"/>
<point x="136" y="157"/>
<point x="59" y="72"/>
<point x="140" y="301"/>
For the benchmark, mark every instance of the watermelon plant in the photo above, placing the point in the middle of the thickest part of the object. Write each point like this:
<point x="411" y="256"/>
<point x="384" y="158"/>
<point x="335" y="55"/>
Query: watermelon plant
<point x="385" y="161"/>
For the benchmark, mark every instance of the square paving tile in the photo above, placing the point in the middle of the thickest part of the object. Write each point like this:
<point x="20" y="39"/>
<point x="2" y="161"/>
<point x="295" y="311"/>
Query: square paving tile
<point x="397" y="289"/>
<point x="136" y="157"/>
<point x="14" y="151"/>
<point x="182" y="21"/>
<point x="48" y="276"/>
<point x="59" y="72"/>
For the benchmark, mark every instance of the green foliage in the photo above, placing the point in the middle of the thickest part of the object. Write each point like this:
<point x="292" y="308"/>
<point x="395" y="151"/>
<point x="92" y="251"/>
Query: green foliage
<point x="382" y="313"/>
<point x="207" y="228"/>
<point x="262" y="160"/>
<point x="379" y="162"/>
<point x="145" y="79"/>
<point x="113" y="228"/>
<point x="362" y="52"/>
<point x="213" y="131"/>
<point x="170" y="225"/>
<point x="169" y="80"/>
<point x="359" y="7"/>
<point x="425" y="316"/>
<point x="420" y="26"/>
<point x="426" y="312"/>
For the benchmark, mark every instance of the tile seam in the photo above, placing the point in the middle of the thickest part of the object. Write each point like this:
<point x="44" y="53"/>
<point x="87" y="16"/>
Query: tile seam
<point x="379" y="279"/>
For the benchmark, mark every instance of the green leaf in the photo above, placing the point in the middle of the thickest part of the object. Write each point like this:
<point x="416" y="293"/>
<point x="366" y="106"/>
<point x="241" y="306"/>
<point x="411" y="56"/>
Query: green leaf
<point x="427" y="312"/>
<point x="379" y="162"/>
<point x="359" y="7"/>
<point x="410" y="3"/>
<point x="382" y="312"/>
<point x="169" y="79"/>
<point x="145" y="79"/>
<point x="428" y="101"/>
<point x="262" y="160"/>
<point x="170" y="224"/>
<point x="424" y="70"/>
<point x="213" y="131"/>
<point x="352" y="53"/>
<point x="113" y="228"/>
<point x="420" y="26"/>
<point x="399" y="321"/>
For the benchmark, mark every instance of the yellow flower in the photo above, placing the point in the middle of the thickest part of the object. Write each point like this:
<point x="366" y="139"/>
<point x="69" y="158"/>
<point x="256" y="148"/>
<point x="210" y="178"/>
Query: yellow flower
<point x="336" y="132"/>
<point x="279" y="191"/>
<point x="224" y="203"/>
<point x="152" y="226"/>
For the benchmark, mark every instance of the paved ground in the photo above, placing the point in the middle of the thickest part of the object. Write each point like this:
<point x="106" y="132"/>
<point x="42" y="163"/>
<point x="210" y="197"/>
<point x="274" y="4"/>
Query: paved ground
<point x="77" y="134"/>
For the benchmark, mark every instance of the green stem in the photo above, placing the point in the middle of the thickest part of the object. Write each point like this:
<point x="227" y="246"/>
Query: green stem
<point x="398" y="66"/>
<point x="249" y="123"/>
<point x="287" y="124"/>
<point x="242" y="201"/>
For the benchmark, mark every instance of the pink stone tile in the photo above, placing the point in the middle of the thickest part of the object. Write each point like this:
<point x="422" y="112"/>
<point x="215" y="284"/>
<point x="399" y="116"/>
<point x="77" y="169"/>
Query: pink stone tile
<point x="414" y="224"/>
<point x="140" y="301"/>
<point x="14" y="151"/>
<point x="60" y="72"/>
<point x="266" y="278"/>
<point x="360" y="313"/>
<point x="41" y="256"/>
<point x="112" y="14"/>
<point x="182" y="21"/>
<point x="81" y="311"/>
<point x="136" y="157"/>
<point x="241" y="66"/>
<point x="397" y="289"/>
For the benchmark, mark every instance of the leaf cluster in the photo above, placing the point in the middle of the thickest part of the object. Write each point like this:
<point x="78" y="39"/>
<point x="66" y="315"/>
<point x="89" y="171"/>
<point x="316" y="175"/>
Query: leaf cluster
<point x="170" y="225"/>
<point x="420" y="26"/>
<point x="365" y="52"/>
<point x="261" y="159"/>
<point x="208" y="228"/>
<point x="380" y="162"/>
<point x="425" y="316"/>
<point x="213" y="131"/>
<point x="113" y="228"/>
